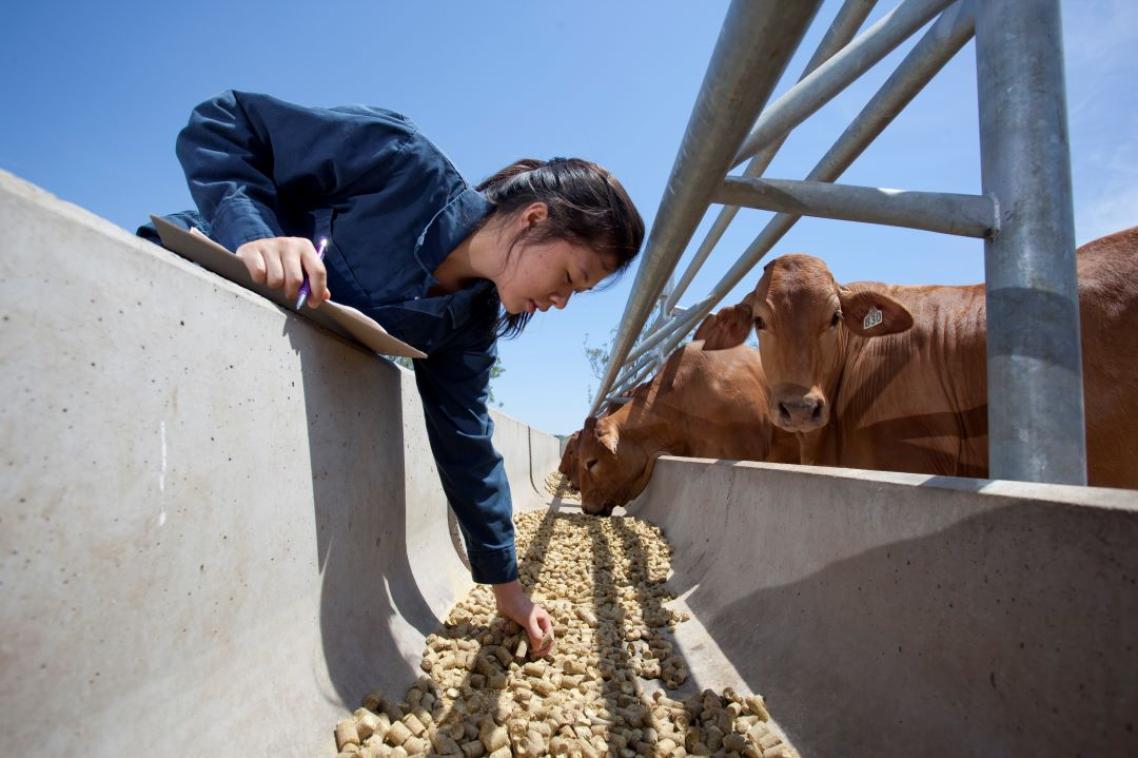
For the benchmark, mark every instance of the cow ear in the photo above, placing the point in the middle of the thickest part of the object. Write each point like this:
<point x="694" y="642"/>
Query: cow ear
<point x="608" y="435"/>
<point x="706" y="327"/>
<point x="873" y="314"/>
<point x="728" y="328"/>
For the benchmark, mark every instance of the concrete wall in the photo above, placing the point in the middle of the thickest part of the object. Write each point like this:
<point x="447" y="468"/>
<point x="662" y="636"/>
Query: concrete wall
<point x="894" y="614"/>
<point x="221" y="524"/>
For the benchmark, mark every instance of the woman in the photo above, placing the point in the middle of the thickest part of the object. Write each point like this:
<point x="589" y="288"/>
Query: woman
<point x="443" y="267"/>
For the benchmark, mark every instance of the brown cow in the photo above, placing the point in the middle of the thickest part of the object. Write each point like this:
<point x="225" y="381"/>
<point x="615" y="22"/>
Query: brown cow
<point x="701" y="404"/>
<point x="568" y="465"/>
<point x="894" y="378"/>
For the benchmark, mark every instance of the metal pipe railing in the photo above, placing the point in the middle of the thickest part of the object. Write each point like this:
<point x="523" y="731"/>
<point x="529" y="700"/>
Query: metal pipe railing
<point x="842" y="29"/>
<point x="946" y="212"/>
<point x="942" y="41"/>
<point x="1035" y="412"/>
<point x="830" y="70"/>
<point x="683" y="320"/>
<point x="631" y="369"/>
<point x="805" y="98"/>
<point x="637" y="378"/>
<point x="678" y="318"/>
<point x="935" y="48"/>
<point x="756" y="42"/>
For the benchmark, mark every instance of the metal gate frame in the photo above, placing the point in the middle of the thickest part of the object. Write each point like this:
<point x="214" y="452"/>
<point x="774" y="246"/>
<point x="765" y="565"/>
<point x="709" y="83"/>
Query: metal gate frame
<point x="1024" y="214"/>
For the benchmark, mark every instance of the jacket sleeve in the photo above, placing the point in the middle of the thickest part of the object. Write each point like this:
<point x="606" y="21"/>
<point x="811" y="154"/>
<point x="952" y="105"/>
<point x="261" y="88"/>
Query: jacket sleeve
<point x="454" y="386"/>
<point x="245" y="155"/>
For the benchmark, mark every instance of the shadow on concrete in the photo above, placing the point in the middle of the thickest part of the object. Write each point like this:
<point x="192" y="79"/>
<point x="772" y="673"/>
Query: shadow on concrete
<point x="360" y="517"/>
<point x="945" y="646"/>
<point x="959" y="483"/>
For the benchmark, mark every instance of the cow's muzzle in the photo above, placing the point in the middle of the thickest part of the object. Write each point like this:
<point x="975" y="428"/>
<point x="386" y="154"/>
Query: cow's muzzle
<point x="603" y="510"/>
<point x="801" y="414"/>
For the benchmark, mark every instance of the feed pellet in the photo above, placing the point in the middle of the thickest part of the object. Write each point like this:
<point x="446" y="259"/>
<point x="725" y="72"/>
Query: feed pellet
<point x="602" y="582"/>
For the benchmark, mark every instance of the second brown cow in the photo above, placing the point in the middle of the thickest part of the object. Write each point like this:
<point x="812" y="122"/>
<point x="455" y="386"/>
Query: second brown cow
<point x="705" y="404"/>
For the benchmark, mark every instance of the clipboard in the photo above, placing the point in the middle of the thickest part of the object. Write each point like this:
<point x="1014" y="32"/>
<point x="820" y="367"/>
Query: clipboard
<point x="342" y="319"/>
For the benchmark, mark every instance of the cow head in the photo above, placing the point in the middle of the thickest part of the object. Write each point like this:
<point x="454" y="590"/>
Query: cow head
<point x="610" y="471"/>
<point x="803" y="319"/>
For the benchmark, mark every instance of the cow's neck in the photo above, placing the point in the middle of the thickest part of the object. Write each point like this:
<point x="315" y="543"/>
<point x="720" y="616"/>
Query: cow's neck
<point x="658" y="430"/>
<point x="848" y="347"/>
<point x="924" y="388"/>
<point x="810" y="447"/>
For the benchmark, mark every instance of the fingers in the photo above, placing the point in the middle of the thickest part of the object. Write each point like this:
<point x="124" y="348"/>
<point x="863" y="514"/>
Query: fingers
<point x="274" y="271"/>
<point x="283" y="262"/>
<point x="250" y="255"/>
<point x="291" y="264"/>
<point x="540" y="632"/>
<point x="317" y="275"/>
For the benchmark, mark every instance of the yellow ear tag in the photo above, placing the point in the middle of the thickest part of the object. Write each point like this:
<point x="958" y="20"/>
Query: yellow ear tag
<point x="873" y="318"/>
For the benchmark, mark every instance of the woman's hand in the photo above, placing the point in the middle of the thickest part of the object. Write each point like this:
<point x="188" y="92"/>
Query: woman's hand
<point x="513" y="603"/>
<point x="282" y="262"/>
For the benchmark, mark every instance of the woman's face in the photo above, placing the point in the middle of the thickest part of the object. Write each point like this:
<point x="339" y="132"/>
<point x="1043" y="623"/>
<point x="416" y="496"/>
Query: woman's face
<point x="545" y="275"/>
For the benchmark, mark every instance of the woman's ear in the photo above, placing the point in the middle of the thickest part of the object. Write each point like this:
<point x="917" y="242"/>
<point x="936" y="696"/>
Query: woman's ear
<point x="873" y="314"/>
<point x="535" y="213"/>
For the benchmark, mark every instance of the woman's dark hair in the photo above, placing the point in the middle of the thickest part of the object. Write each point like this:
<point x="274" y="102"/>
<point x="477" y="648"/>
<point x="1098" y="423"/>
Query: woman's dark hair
<point x="587" y="206"/>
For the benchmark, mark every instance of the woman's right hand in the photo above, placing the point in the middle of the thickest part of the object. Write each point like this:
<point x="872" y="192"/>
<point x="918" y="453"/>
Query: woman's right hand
<point x="282" y="262"/>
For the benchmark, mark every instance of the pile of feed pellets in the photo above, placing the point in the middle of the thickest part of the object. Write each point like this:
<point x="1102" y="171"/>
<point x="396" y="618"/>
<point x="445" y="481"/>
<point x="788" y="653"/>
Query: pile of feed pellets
<point x="559" y="486"/>
<point x="603" y="583"/>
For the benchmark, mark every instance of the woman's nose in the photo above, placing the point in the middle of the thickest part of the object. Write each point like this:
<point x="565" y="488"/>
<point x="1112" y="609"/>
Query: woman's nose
<point x="560" y="301"/>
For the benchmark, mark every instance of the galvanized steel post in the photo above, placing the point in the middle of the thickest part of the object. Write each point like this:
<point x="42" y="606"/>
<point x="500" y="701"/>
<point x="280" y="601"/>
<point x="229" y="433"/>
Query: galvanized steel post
<point x="1035" y="389"/>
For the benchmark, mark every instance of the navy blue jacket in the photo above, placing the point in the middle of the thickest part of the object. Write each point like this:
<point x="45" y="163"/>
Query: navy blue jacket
<point x="392" y="207"/>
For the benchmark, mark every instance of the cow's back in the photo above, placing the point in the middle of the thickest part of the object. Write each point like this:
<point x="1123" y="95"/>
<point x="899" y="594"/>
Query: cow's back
<point x="710" y="404"/>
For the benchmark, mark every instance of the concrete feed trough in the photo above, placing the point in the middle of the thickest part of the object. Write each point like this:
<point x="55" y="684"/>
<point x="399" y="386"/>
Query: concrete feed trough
<point x="222" y="526"/>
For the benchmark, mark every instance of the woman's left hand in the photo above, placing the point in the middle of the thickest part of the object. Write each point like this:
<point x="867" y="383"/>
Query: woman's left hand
<point x="513" y="603"/>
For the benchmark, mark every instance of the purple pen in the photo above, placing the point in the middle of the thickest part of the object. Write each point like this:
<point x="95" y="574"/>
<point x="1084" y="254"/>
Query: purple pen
<point x="305" y="287"/>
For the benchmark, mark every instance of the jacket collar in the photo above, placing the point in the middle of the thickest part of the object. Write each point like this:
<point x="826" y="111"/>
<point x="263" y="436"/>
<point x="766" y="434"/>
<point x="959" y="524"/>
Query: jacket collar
<point x="451" y="225"/>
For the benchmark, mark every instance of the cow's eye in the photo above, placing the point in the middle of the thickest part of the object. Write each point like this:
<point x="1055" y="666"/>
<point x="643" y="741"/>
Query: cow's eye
<point x="590" y="463"/>
<point x="759" y="323"/>
<point x="837" y="317"/>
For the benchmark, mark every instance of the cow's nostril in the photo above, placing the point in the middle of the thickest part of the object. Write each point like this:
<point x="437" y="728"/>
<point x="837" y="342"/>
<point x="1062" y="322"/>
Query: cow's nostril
<point x="784" y="411"/>
<point x="817" y="414"/>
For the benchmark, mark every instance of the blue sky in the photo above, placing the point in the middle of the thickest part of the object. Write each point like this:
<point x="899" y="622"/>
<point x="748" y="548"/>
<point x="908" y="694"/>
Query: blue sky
<point x="95" y="94"/>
